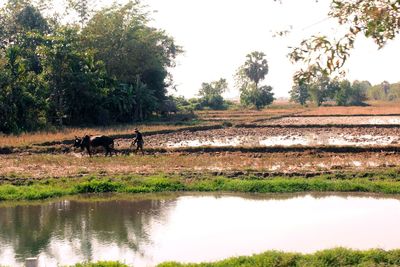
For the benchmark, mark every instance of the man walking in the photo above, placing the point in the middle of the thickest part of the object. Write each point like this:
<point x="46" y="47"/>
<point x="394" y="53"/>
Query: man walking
<point x="138" y="141"/>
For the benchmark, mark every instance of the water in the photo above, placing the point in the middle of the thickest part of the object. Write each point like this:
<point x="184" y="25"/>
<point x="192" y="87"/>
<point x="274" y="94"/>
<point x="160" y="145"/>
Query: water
<point x="291" y="140"/>
<point x="193" y="228"/>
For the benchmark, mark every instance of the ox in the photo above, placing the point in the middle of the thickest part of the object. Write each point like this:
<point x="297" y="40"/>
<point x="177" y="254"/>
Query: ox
<point x="95" y="141"/>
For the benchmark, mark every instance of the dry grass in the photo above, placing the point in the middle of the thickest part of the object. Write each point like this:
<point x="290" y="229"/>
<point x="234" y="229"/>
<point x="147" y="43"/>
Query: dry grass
<point x="27" y="139"/>
<point x="40" y="166"/>
<point x="375" y="108"/>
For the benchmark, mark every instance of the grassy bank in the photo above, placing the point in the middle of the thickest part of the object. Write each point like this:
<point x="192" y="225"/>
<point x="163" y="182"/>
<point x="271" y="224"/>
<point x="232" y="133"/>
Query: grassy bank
<point x="387" y="182"/>
<point x="331" y="257"/>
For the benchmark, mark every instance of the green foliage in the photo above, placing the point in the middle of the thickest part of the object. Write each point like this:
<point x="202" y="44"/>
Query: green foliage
<point x="384" y="182"/>
<point x="256" y="67"/>
<point x="258" y="97"/>
<point x="350" y="94"/>
<point x="384" y="91"/>
<point x="248" y="78"/>
<point x="112" y="68"/>
<point x="330" y="257"/>
<point x="299" y="94"/>
<point x="211" y="94"/>
<point x="321" y="55"/>
<point x="324" y="89"/>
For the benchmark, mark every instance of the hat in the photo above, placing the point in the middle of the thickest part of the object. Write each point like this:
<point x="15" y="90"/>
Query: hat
<point x="136" y="130"/>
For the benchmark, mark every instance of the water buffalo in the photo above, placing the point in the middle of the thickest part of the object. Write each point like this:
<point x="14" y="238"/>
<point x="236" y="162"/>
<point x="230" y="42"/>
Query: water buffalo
<point x="95" y="141"/>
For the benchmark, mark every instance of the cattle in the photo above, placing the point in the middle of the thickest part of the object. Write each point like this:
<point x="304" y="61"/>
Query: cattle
<point x="95" y="141"/>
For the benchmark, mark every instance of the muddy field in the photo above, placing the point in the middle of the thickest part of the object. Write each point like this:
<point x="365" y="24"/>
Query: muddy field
<point x="337" y="120"/>
<point x="275" y="136"/>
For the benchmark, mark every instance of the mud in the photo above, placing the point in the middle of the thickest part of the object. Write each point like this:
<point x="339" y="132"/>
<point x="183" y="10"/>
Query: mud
<point x="340" y="120"/>
<point x="276" y="136"/>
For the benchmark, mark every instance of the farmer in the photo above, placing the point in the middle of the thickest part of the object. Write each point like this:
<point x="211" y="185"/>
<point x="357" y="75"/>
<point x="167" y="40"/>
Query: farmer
<point x="138" y="141"/>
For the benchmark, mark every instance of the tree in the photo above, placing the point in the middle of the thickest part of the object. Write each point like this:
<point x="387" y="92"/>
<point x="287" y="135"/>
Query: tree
<point x="248" y="78"/>
<point x="211" y="94"/>
<point x="350" y="94"/>
<point x="299" y="93"/>
<point x="256" y="67"/>
<point x="320" y="55"/>
<point x="257" y="97"/>
<point x="130" y="48"/>
<point x="385" y="85"/>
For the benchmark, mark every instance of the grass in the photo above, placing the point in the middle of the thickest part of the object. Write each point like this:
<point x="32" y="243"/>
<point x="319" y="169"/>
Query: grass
<point x="336" y="257"/>
<point x="332" y="257"/>
<point x="386" y="182"/>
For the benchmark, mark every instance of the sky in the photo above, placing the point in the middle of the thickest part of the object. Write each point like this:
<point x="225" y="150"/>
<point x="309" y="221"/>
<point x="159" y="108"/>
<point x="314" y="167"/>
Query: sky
<point x="216" y="36"/>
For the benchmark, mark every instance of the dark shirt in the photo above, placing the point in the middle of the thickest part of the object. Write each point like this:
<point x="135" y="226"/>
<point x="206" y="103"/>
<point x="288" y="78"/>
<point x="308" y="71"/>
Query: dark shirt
<point x="139" y="137"/>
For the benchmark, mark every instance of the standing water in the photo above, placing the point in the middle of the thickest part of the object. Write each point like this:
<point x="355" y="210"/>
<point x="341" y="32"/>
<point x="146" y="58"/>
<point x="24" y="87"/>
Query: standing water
<point x="193" y="228"/>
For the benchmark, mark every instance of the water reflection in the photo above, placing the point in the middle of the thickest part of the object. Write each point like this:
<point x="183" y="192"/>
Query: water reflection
<point x="194" y="228"/>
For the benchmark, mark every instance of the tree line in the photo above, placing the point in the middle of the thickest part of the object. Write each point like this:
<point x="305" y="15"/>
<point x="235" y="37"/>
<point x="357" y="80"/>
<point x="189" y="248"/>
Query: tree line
<point x="109" y="67"/>
<point x="343" y="92"/>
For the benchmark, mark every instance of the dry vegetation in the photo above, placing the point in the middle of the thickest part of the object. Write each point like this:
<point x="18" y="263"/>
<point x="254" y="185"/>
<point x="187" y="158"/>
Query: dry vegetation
<point x="71" y="165"/>
<point x="374" y="108"/>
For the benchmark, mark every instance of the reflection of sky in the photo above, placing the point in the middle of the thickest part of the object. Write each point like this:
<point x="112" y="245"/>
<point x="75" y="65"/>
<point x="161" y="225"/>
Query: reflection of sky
<point x="207" y="228"/>
<point x="290" y="140"/>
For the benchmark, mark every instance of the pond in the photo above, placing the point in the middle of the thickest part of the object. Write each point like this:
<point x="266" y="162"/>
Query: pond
<point x="147" y="230"/>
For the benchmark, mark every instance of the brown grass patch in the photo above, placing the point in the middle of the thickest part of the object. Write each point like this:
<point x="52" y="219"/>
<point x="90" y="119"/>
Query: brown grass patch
<point x="73" y="165"/>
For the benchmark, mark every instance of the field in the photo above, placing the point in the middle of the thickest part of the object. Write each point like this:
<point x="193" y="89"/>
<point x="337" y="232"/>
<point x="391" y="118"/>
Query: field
<point x="284" y="139"/>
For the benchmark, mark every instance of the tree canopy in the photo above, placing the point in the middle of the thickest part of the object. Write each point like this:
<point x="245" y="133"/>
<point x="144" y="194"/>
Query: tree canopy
<point x="322" y="55"/>
<point x="110" y="67"/>
<point x="248" y="78"/>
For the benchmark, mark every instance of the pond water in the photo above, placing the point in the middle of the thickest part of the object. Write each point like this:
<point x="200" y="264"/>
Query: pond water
<point x="192" y="228"/>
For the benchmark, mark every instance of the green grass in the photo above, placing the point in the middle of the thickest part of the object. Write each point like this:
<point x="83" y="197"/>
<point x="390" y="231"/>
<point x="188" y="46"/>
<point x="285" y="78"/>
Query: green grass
<point x="336" y="257"/>
<point x="333" y="257"/>
<point x="387" y="182"/>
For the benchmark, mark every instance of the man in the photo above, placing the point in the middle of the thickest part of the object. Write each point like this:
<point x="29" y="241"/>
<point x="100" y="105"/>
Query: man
<point x="138" y="141"/>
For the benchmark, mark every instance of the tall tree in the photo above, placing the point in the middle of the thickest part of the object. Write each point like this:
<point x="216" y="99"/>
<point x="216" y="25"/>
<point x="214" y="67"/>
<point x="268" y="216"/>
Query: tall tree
<point x="299" y="93"/>
<point x="248" y="77"/>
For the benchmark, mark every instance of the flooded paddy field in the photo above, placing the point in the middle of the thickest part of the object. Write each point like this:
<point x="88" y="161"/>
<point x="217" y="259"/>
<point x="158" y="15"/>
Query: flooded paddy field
<point x="147" y="230"/>
<point x="336" y="120"/>
<point x="278" y="136"/>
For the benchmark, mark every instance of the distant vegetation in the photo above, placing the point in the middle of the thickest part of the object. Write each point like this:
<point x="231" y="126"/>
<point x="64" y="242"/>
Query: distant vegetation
<point x="384" y="91"/>
<point x="343" y="92"/>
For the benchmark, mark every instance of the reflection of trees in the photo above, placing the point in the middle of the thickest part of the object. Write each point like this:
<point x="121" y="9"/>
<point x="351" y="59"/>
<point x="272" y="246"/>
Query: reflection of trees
<point x="30" y="229"/>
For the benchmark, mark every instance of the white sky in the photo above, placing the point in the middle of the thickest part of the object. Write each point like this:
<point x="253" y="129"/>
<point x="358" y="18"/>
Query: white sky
<point x="218" y="34"/>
